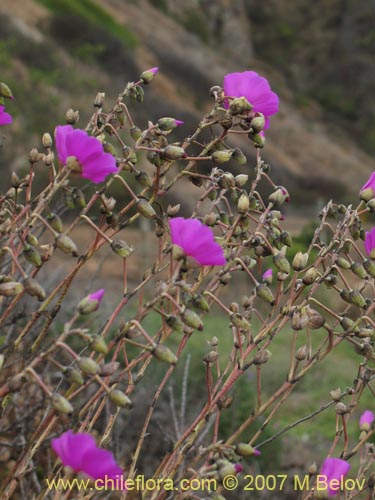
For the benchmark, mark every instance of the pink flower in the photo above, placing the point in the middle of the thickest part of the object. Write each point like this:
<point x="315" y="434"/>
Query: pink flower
<point x="91" y="303"/>
<point x="80" y="453"/>
<point x="5" y="118"/>
<point x="366" y="420"/>
<point x="333" y="471"/>
<point x="197" y="241"/>
<point x="257" y="91"/>
<point x="370" y="243"/>
<point x="267" y="276"/>
<point x="83" y="154"/>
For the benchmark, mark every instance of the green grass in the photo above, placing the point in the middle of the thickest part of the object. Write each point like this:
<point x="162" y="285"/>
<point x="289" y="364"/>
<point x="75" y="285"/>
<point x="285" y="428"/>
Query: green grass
<point x="90" y="10"/>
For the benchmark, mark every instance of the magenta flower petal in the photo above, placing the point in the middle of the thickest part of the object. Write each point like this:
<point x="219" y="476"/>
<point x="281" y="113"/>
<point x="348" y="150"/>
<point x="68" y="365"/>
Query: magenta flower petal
<point x="334" y="469"/>
<point x="98" y="295"/>
<point x="5" y="118"/>
<point x="80" y="452"/>
<point x="257" y="91"/>
<point x="370" y="183"/>
<point x="197" y="241"/>
<point x="366" y="420"/>
<point x="95" y="164"/>
<point x="267" y="276"/>
<point x="370" y="243"/>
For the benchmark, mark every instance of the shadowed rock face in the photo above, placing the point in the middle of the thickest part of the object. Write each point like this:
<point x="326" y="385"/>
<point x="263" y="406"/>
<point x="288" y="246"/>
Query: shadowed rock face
<point x="195" y="43"/>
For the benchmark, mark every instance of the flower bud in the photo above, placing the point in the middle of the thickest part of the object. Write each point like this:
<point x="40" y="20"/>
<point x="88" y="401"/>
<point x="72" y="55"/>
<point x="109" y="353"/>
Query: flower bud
<point x="265" y="293"/>
<point x="239" y="321"/>
<point x="55" y="222"/>
<point x="343" y="263"/>
<point x="98" y="344"/>
<point x="211" y="357"/>
<point x="91" y="302"/>
<point x="262" y="357"/>
<point x="32" y="256"/>
<point x="167" y="124"/>
<point x="357" y="299"/>
<point x="243" y="204"/>
<point x="108" y="369"/>
<point x="369" y="265"/>
<point x="99" y="100"/>
<point x="281" y="262"/>
<point x="239" y="105"/>
<point x="257" y="123"/>
<point x="226" y="468"/>
<point x="221" y="156"/>
<point x="190" y="318"/>
<point x="241" y="179"/>
<point x="366" y="194"/>
<point x="46" y="140"/>
<point x="32" y="240"/>
<point x="371" y="206"/>
<point x="145" y="208"/>
<point x="71" y="116"/>
<point x="148" y="75"/>
<point x="74" y="376"/>
<point x="135" y="133"/>
<point x="137" y="93"/>
<point x="78" y="198"/>
<point x="246" y="450"/>
<point x="310" y="276"/>
<point x="301" y="353"/>
<point x="2" y="359"/>
<point x="33" y="288"/>
<point x="336" y="394"/>
<point x="120" y="399"/>
<point x="348" y="324"/>
<point x="88" y="365"/>
<point x="163" y="353"/>
<point x="11" y="288"/>
<point x="300" y="261"/>
<point x="175" y="323"/>
<point x="5" y="91"/>
<point x="61" y="404"/>
<point x="66" y="244"/>
<point x="315" y="319"/>
<point x="121" y="248"/>
<point x="341" y="409"/>
<point x="240" y="159"/>
<point x="279" y="196"/>
<point x="34" y="155"/>
<point x="359" y="270"/>
<point x="173" y="153"/>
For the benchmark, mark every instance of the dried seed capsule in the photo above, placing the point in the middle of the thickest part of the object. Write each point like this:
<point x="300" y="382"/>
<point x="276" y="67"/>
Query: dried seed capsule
<point x="310" y="276"/>
<point x="239" y="321"/>
<point x="301" y="353"/>
<point x="211" y="357"/>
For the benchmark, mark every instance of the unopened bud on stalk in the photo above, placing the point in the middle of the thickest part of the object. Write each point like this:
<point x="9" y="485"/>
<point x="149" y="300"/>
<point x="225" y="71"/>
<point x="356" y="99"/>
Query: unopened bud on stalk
<point x="300" y="261"/>
<point x="243" y="204"/>
<point x="74" y="376"/>
<point x="310" y="276"/>
<point x="121" y="248"/>
<point x="369" y="265"/>
<point x="246" y="450"/>
<point x="262" y="357"/>
<point x="15" y="180"/>
<point x="175" y="323"/>
<point x="88" y="365"/>
<point x="226" y="468"/>
<point x="345" y="295"/>
<point x="357" y="299"/>
<point x="2" y="359"/>
<point x="173" y="153"/>
<point x="47" y="140"/>
<point x="55" y="222"/>
<point x="34" y="289"/>
<point x="34" y="155"/>
<point x="137" y="93"/>
<point x="348" y="324"/>
<point x="120" y="399"/>
<point x="98" y="344"/>
<point x="315" y="319"/>
<point x="341" y="409"/>
<point x="167" y="124"/>
<point x="211" y="357"/>
<point x="190" y="318"/>
<point x="281" y="262"/>
<point x="259" y="140"/>
<point x="313" y="469"/>
<point x="265" y="293"/>
<point x="239" y="157"/>
<point x="11" y="288"/>
<point x="239" y="105"/>
<point x="135" y="133"/>
<point x="359" y="270"/>
<point x="71" y="116"/>
<point x="257" y="123"/>
<point x="61" y="404"/>
<point x="99" y="100"/>
<point x="241" y="179"/>
<point x="239" y="321"/>
<point x="279" y="196"/>
<point x="200" y="303"/>
<point x="66" y="244"/>
<point x="286" y="239"/>
<point x="221" y="157"/>
<point x="148" y="75"/>
<point x="343" y="263"/>
<point x="91" y="303"/>
<point x="145" y="208"/>
<point x="32" y="256"/>
<point x="371" y="206"/>
<point x="163" y="353"/>
<point x="32" y="240"/>
<point x="301" y="353"/>
<point x="5" y="91"/>
<point x="78" y="198"/>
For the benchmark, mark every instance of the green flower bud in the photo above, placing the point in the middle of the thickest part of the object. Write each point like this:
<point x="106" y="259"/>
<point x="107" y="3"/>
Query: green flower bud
<point x="145" y="208"/>
<point x="243" y="204"/>
<point x="345" y="294"/>
<point x="47" y="140"/>
<point x="135" y="133"/>
<point x="98" y="344"/>
<point x="175" y="323"/>
<point x="281" y="262"/>
<point x="88" y="365"/>
<point x="173" y="153"/>
<point x="300" y="261"/>
<point x="239" y="321"/>
<point x="258" y="140"/>
<point x="239" y="105"/>
<point x="55" y="222"/>
<point x="357" y="299"/>
<point x="279" y="196"/>
<point x="143" y="179"/>
<point x="359" y="270"/>
<point x="301" y="353"/>
<point x="148" y="75"/>
<point x="371" y="206"/>
<point x="366" y="194"/>
<point x="221" y="156"/>
<point x="240" y="159"/>
<point x="121" y="248"/>
<point x="369" y="265"/>
<point x="33" y="288"/>
<point x="190" y="318"/>
<point x="61" y="404"/>
<point x="257" y="124"/>
<point x="348" y="324"/>
<point x="66" y="244"/>
<point x="120" y="399"/>
<point x="5" y="91"/>
<point x="74" y="376"/>
<point x="200" y="303"/>
<point x="166" y="124"/>
<point x="245" y="450"/>
<point x="163" y="353"/>
<point x="11" y="288"/>
<point x="32" y="240"/>
<point x="264" y="292"/>
<point x="78" y="198"/>
<point x="241" y="179"/>
<point x="137" y="93"/>
<point x="32" y="256"/>
<point x="310" y="276"/>
<point x="343" y="263"/>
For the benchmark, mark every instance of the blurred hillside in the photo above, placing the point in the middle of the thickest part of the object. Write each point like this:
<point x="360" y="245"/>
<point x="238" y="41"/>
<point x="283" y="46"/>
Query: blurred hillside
<point x="57" y="54"/>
